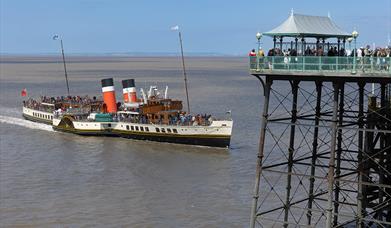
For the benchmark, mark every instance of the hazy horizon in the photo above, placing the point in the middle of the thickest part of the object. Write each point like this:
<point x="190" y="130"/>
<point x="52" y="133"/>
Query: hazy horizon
<point x="128" y="54"/>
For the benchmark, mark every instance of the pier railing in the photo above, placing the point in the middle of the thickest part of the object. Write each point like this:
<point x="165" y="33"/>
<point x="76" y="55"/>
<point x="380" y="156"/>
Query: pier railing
<point x="321" y="64"/>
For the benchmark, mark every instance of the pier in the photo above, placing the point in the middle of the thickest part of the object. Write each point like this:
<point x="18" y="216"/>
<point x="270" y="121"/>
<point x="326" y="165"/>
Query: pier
<point x="324" y="156"/>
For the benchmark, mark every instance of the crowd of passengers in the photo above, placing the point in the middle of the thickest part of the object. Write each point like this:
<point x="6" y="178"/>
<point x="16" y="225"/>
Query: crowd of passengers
<point x="69" y="99"/>
<point x="188" y="119"/>
<point x="34" y="104"/>
<point x="181" y="118"/>
<point x="73" y="100"/>
<point x="332" y="51"/>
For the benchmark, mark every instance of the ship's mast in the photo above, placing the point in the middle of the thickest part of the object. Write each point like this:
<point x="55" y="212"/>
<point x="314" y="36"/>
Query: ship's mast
<point x="56" y="37"/>
<point x="65" y="66"/>
<point x="184" y="70"/>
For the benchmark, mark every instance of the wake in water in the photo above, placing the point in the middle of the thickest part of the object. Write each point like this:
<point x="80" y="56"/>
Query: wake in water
<point x="24" y="123"/>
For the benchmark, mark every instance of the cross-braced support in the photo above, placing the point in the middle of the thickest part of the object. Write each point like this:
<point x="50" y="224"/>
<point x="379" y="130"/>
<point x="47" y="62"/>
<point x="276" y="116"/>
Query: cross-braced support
<point x="324" y="156"/>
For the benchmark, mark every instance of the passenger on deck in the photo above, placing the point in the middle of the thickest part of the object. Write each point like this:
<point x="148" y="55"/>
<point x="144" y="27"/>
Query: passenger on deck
<point x="319" y="52"/>
<point x="308" y="51"/>
<point x="293" y="52"/>
<point x="261" y="52"/>
<point x="252" y="53"/>
<point x="359" y="52"/>
<point x="342" y="52"/>
<point x="331" y="52"/>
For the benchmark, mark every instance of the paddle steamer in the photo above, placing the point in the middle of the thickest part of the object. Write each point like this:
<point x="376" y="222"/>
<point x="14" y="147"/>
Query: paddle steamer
<point x="153" y="117"/>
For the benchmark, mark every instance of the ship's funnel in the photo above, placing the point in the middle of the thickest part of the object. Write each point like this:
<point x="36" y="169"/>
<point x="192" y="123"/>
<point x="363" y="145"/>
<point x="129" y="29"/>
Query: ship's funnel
<point x="109" y="95"/>
<point x="129" y="91"/>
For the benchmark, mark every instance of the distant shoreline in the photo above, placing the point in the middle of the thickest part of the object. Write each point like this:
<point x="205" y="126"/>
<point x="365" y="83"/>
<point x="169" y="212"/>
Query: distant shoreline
<point x="15" y="59"/>
<point x="119" y="55"/>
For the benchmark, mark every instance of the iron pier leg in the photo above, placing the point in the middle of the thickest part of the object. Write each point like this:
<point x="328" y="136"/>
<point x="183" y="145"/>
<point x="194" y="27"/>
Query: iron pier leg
<point x="330" y="176"/>
<point x="368" y="160"/>
<point x="359" y="223"/>
<point x="382" y="148"/>
<point x="260" y="151"/>
<point x="314" y="150"/>
<point x="388" y="153"/>
<point x="339" y="152"/>
<point x="291" y="150"/>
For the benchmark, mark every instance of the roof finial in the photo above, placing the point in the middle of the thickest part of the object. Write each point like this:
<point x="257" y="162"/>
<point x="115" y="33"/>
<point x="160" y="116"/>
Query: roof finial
<point x="328" y="14"/>
<point x="292" y="12"/>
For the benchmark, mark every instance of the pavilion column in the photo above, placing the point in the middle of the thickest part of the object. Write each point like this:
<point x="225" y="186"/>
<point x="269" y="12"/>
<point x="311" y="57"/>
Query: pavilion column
<point x="323" y="43"/>
<point x="339" y="45"/>
<point x="317" y="45"/>
<point x="274" y="45"/>
<point x="281" y="38"/>
<point x="303" y="46"/>
<point x="344" y="45"/>
<point x="296" y="43"/>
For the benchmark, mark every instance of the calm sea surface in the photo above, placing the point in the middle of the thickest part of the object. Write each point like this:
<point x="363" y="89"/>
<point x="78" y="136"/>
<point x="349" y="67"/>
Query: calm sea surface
<point x="52" y="179"/>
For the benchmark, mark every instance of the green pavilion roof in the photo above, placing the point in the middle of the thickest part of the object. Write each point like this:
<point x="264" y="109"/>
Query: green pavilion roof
<point x="298" y="25"/>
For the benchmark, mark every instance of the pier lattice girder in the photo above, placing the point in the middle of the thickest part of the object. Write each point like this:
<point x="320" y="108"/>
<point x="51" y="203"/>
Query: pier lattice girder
<point x="325" y="153"/>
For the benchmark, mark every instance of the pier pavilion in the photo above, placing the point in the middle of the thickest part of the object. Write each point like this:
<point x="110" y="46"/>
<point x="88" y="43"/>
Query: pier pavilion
<point x="324" y="156"/>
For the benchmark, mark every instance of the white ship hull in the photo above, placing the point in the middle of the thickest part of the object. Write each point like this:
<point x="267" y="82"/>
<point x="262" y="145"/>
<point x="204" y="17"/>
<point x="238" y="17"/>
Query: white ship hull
<point x="217" y="134"/>
<point x="38" y="116"/>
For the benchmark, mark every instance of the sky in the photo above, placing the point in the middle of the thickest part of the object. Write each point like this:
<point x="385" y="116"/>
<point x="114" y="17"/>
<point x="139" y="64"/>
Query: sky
<point x="225" y="27"/>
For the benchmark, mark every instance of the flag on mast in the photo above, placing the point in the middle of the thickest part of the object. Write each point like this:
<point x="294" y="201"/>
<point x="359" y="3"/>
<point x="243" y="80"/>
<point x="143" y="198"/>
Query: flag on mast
<point x="175" y="28"/>
<point x="55" y="37"/>
<point x="24" y="92"/>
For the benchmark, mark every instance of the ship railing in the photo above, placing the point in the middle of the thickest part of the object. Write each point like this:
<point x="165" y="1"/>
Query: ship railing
<point x="80" y="113"/>
<point x="75" y="100"/>
<point x="341" y="64"/>
<point x="185" y="124"/>
<point x="171" y="123"/>
<point x="49" y="105"/>
<point x="38" y="107"/>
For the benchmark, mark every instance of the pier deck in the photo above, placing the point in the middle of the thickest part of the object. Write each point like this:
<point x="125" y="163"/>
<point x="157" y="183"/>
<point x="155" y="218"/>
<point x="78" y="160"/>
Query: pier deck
<point x="343" y="66"/>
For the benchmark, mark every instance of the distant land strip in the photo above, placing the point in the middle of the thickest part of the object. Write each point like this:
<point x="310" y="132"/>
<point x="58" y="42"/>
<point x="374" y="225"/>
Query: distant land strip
<point x="141" y="54"/>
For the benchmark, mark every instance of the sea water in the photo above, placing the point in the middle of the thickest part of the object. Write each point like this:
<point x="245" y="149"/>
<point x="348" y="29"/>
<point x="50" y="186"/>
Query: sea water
<point x="49" y="178"/>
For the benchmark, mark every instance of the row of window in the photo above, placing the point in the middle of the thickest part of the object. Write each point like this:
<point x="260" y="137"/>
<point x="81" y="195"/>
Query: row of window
<point x="44" y="116"/>
<point x="137" y="128"/>
<point x="140" y="128"/>
<point x="168" y="130"/>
